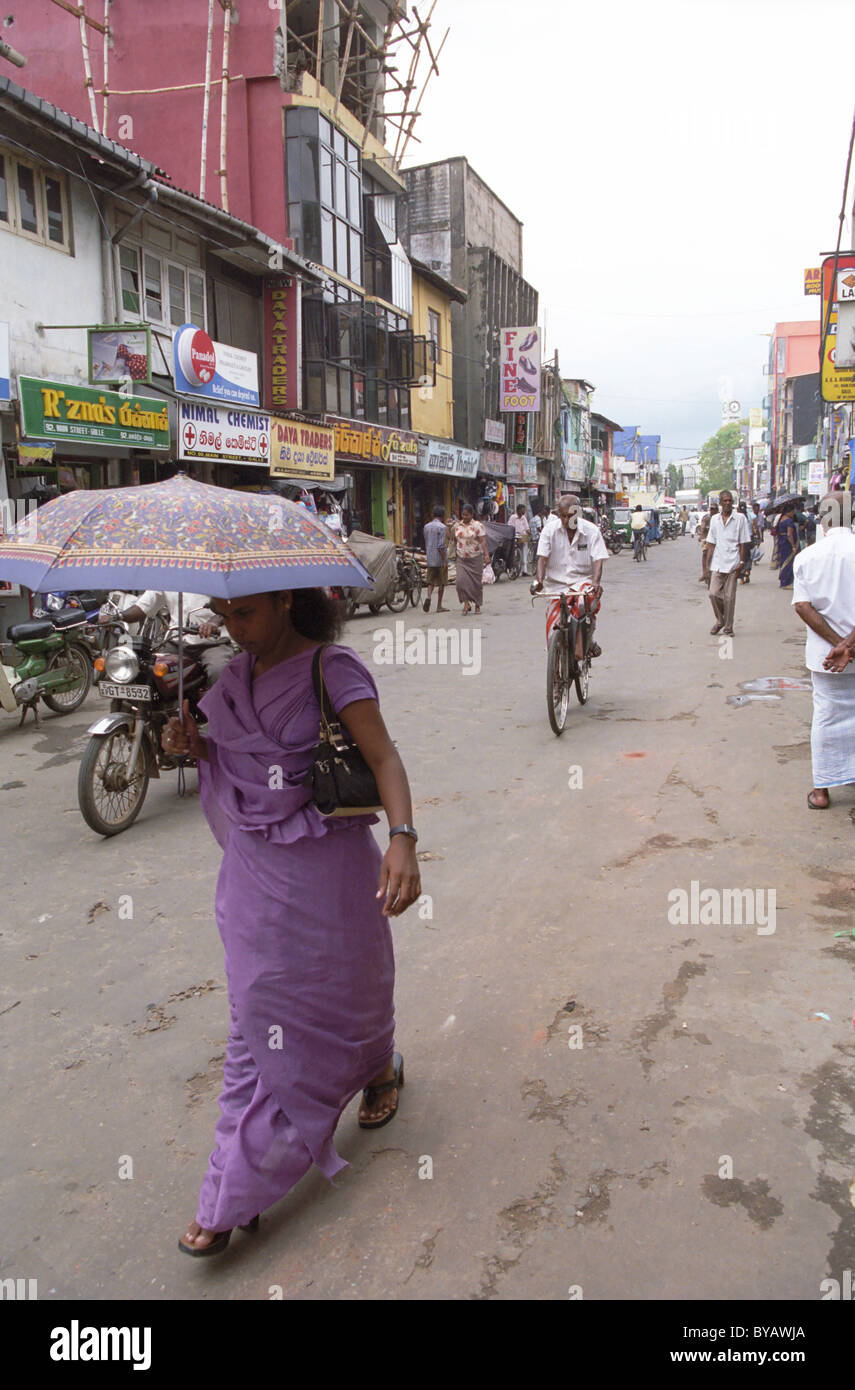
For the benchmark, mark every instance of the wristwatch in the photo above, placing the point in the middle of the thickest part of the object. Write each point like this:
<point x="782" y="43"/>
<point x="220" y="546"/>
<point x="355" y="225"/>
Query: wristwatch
<point x="404" y="830"/>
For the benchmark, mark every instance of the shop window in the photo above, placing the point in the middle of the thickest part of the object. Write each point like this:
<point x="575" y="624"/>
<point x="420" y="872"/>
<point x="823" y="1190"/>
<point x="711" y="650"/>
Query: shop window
<point x="433" y="334"/>
<point x="34" y="203"/>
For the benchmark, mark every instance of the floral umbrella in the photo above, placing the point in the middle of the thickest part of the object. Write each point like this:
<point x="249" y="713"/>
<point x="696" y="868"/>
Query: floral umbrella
<point x="177" y="535"/>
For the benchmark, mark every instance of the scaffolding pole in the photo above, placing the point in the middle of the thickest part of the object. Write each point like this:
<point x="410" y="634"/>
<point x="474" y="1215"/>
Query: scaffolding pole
<point x="224" y="106"/>
<point x="344" y="61"/>
<point x="431" y="70"/>
<point x="87" y="68"/>
<point x="206" y="104"/>
<point x="105" y="90"/>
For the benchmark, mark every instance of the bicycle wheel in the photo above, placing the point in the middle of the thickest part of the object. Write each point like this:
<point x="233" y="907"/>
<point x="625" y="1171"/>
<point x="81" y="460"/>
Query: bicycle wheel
<point x="414" y="576"/>
<point x="557" y="681"/>
<point x="581" y="679"/>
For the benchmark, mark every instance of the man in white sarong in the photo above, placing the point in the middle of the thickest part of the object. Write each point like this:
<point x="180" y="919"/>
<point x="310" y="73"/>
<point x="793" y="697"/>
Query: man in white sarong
<point x="824" y="598"/>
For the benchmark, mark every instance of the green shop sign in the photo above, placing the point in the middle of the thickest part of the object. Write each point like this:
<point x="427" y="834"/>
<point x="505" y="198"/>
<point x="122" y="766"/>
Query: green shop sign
<point x="83" y="415"/>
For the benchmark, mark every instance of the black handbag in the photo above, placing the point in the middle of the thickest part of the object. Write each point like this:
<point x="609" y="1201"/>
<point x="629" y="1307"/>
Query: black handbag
<point x="340" y="780"/>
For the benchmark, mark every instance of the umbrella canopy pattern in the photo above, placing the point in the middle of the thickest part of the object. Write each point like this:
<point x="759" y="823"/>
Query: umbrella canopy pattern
<point x="177" y="535"/>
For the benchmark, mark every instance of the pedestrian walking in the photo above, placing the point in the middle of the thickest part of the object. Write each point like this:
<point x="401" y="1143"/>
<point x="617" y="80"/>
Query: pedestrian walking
<point x="728" y="542"/>
<point x="303" y="903"/>
<point x="684" y="520"/>
<point x="706" y="521"/>
<point x="523" y="534"/>
<point x="745" y="577"/>
<point x="436" y="555"/>
<point x="787" y="534"/>
<point x="824" y="599"/>
<point x="472" y="559"/>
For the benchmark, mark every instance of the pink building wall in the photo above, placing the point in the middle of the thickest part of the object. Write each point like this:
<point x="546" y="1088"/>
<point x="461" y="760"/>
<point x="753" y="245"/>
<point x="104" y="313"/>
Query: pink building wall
<point x="802" y="352"/>
<point x="161" y="43"/>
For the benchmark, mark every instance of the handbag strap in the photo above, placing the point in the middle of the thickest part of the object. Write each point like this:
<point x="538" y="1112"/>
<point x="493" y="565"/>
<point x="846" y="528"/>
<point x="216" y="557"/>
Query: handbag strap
<point x="321" y="693"/>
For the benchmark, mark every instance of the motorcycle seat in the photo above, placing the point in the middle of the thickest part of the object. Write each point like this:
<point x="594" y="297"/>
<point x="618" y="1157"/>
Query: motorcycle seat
<point x="30" y="632"/>
<point x="69" y="617"/>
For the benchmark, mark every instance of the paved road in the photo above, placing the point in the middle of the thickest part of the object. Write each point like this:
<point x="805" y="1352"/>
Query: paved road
<point x="601" y="1165"/>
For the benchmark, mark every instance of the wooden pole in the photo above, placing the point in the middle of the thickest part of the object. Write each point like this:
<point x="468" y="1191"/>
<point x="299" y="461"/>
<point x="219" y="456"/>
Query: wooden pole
<point x="224" y="107"/>
<point x="87" y="69"/>
<point x="106" y="89"/>
<point x="206" y="104"/>
<point x="78" y="10"/>
<point x="343" y="68"/>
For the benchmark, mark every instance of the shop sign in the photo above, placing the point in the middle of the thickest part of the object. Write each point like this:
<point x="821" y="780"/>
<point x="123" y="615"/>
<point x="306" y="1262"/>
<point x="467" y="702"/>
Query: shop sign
<point x="520" y="369"/>
<point x="575" y="466"/>
<point x="300" y="450"/>
<point x="84" y="415"/>
<point x="816" y="477"/>
<point x="838" y="381"/>
<point x="755" y="418"/>
<point x="520" y="433"/>
<point x="441" y="456"/>
<point x="494" y="461"/>
<point x="813" y="280"/>
<point x="359" y="442"/>
<point x="116" y="352"/>
<point x="5" y="368"/>
<point x="494" y="432"/>
<point x="223" y="433"/>
<point x="282" y="344"/>
<point x="213" y="371"/>
<point x="522" y="468"/>
<point x="758" y="453"/>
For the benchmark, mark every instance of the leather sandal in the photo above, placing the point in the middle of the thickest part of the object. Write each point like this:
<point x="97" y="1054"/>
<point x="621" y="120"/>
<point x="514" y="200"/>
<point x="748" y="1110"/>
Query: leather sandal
<point x="370" y="1094"/>
<point x="218" y="1244"/>
<point x="815" y="806"/>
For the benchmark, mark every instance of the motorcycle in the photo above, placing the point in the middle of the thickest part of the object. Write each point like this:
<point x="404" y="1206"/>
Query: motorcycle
<point x="124" y="751"/>
<point x="612" y="538"/>
<point x="55" y="666"/>
<point x="505" y="555"/>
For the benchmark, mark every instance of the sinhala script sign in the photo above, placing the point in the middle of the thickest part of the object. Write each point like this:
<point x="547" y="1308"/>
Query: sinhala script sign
<point x="223" y="433"/>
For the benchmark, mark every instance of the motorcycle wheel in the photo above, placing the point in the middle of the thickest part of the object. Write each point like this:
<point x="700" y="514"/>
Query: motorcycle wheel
<point x="109" y="811"/>
<point x="516" y="568"/>
<point x="398" y="596"/>
<point x="67" y="701"/>
<point x="557" y="683"/>
<point x="350" y="607"/>
<point x="374" y="607"/>
<point x="617" y="547"/>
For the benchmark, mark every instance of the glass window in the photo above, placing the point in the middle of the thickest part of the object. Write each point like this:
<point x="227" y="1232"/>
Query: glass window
<point x="339" y="143"/>
<point x="53" y="203"/>
<point x="354" y="200"/>
<point x="4" y="191"/>
<point x="29" y="217"/>
<point x="352" y="155"/>
<point x="196" y="296"/>
<point x="314" y="383"/>
<point x="311" y="246"/>
<point x="177" y="311"/>
<point x="433" y="332"/>
<point x="332" y="389"/>
<point x="341" y="188"/>
<point x="326" y="176"/>
<point x="345" y="391"/>
<point x="356" y="257"/>
<point x="130" y="279"/>
<point x="325" y="130"/>
<point x="341" y="236"/>
<point x="327" y="239"/>
<point x="153" y="289"/>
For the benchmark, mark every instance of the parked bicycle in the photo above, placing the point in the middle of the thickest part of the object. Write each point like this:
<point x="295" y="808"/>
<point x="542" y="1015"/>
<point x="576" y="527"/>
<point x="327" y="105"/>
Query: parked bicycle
<point x="409" y="576"/>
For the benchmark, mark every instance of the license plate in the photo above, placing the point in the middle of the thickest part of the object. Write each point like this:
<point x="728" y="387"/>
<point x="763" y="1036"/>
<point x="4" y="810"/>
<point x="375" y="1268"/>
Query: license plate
<point x="124" y="692"/>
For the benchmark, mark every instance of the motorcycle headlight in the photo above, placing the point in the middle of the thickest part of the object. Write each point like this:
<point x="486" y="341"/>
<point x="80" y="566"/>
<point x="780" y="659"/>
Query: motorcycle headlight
<point x="121" y="665"/>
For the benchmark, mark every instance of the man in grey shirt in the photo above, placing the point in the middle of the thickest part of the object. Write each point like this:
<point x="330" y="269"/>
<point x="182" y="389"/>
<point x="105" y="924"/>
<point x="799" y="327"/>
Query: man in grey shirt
<point x="436" y="555"/>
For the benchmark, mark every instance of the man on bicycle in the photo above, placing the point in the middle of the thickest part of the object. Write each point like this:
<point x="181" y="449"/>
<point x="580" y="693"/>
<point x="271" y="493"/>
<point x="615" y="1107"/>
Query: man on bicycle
<point x="570" y="555"/>
<point x="638" y="523"/>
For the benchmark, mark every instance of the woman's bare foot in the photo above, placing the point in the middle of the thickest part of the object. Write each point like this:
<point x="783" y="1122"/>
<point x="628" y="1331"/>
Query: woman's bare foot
<point x="477" y="609"/>
<point x="383" y="1104"/>
<point x="197" y="1237"/>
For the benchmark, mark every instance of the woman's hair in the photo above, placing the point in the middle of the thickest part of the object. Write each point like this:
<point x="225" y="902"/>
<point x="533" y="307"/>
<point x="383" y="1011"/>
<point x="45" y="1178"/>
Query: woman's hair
<point x="314" y="614"/>
<point x="467" y="507"/>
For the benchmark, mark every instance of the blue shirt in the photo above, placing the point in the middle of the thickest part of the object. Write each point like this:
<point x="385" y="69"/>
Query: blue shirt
<point x="436" y="544"/>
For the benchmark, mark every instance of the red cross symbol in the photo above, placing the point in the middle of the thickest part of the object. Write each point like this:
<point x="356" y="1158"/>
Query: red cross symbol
<point x="262" y="443"/>
<point x="189" y="436"/>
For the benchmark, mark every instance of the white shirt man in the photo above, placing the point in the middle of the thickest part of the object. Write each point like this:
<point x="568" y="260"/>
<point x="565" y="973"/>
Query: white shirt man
<point x="727" y="544"/>
<point x="824" y="598"/>
<point x="215" y="650"/>
<point x="570" y="556"/>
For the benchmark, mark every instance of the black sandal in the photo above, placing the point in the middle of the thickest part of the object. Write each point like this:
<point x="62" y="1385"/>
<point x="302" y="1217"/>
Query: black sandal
<point x="370" y="1094"/>
<point x="218" y="1244"/>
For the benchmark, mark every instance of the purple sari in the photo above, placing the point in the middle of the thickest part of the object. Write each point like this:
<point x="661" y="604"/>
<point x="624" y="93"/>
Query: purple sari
<point x="308" y="952"/>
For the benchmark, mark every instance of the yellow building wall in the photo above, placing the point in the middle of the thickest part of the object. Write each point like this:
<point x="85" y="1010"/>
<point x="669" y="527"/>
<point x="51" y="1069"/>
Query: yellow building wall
<point x="432" y="407"/>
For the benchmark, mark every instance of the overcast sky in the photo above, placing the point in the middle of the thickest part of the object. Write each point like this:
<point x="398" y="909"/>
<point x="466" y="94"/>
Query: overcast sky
<point x="677" y="165"/>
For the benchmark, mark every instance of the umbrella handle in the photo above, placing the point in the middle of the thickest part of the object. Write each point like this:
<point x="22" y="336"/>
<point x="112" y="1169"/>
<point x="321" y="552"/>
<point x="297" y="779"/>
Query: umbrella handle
<point x="180" y="655"/>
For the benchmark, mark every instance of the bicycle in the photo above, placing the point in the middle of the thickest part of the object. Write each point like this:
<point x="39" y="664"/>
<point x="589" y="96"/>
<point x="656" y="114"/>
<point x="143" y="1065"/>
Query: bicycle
<point x="563" y="667"/>
<point x="639" y="544"/>
<point x="408" y="582"/>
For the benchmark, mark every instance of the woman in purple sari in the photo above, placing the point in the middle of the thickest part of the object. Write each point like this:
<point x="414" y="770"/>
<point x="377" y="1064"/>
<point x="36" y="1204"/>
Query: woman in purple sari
<point x="788" y="545"/>
<point x="302" y="906"/>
